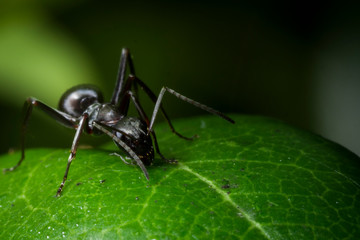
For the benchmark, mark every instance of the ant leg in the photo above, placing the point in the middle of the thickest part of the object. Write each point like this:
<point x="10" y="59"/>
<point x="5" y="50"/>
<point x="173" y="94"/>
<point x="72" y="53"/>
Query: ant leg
<point x="146" y="119"/>
<point x="153" y="97"/>
<point x="72" y="155"/>
<point x="186" y="99"/>
<point x="124" y="103"/>
<point x="124" y="146"/>
<point x="59" y="116"/>
<point x="119" y="87"/>
<point x="122" y="158"/>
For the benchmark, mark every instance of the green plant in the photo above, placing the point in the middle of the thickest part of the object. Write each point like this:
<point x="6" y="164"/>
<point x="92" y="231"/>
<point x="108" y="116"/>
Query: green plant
<point x="257" y="179"/>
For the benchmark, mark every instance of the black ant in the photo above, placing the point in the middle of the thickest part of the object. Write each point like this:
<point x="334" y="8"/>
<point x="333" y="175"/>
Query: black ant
<point x="82" y="108"/>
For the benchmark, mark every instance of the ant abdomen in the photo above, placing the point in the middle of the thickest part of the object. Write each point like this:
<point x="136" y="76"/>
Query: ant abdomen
<point x="77" y="99"/>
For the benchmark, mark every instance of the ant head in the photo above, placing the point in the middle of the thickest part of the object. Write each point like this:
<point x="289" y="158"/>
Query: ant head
<point x="77" y="99"/>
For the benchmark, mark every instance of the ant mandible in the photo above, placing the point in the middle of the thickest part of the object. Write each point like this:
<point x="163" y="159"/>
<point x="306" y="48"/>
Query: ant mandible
<point x="82" y="108"/>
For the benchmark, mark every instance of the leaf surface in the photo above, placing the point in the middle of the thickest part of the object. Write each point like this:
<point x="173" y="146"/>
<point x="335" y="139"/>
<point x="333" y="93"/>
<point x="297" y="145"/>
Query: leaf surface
<point x="257" y="179"/>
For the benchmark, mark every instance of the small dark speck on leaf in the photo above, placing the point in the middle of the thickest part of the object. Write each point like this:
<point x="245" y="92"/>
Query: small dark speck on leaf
<point x="102" y="181"/>
<point x="90" y="178"/>
<point x="226" y="184"/>
<point x="13" y="205"/>
<point x="156" y="201"/>
<point x="243" y="169"/>
<point x="211" y="212"/>
<point x="228" y="193"/>
<point x="79" y="183"/>
<point x="137" y="198"/>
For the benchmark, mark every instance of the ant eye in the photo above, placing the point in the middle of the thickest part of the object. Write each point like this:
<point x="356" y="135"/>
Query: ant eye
<point x="77" y="99"/>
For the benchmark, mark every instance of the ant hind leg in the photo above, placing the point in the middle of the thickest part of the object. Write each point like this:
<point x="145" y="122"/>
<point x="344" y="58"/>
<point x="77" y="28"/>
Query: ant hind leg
<point x="155" y="99"/>
<point x="186" y="99"/>
<point x="59" y="116"/>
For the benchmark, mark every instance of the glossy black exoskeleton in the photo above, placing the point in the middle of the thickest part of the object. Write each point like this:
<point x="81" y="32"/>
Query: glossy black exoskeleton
<point x="83" y="109"/>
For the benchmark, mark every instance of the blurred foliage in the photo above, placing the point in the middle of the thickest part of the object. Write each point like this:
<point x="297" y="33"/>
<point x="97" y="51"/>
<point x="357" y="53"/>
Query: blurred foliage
<point x="37" y="59"/>
<point x="233" y="56"/>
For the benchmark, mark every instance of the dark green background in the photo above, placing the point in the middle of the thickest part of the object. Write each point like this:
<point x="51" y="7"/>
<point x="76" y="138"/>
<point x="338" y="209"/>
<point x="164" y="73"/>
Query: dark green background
<point x="296" y="61"/>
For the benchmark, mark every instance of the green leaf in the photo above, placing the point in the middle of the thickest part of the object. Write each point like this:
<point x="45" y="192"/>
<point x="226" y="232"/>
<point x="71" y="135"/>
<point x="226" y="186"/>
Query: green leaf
<point x="257" y="179"/>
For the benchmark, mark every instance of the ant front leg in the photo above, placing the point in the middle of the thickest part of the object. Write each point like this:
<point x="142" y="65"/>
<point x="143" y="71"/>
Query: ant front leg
<point x="186" y="99"/>
<point x="146" y="120"/>
<point x="59" y="116"/>
<point x="132" y="154"/>
<point x="72" y="155"/>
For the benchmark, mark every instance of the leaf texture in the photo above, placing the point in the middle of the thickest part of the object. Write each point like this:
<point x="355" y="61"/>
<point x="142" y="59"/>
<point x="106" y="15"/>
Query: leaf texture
<point x="257" y="179"/>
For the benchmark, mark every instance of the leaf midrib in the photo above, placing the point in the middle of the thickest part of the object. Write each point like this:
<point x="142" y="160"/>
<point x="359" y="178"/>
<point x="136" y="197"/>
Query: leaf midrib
<point x="226" y="198"/>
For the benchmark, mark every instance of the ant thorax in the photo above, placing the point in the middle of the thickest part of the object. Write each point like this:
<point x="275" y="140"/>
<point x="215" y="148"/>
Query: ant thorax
<point x="104" y="113"/>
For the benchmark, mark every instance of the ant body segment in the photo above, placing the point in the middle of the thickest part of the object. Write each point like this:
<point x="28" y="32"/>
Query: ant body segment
<point x="82" y="108"/>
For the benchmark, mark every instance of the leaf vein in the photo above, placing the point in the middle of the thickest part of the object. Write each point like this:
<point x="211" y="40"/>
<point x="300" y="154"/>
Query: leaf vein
<point x="226" y="198"/>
